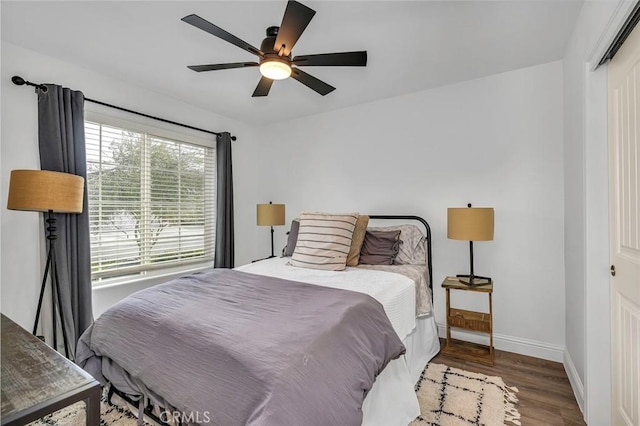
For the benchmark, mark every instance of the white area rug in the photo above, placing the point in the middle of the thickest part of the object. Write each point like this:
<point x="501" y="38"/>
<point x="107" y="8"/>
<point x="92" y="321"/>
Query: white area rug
<point x="453" y="397"/>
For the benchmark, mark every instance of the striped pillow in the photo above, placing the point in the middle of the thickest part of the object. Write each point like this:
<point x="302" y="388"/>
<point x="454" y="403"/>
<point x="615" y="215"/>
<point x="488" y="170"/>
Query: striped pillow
<point x="324" y="241"/>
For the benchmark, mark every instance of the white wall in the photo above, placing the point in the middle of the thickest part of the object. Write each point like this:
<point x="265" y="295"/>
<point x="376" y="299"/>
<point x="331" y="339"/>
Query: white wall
<point x="587" y="354"/>
<point x="495" y="141"/>
<point x="20" y="266"/>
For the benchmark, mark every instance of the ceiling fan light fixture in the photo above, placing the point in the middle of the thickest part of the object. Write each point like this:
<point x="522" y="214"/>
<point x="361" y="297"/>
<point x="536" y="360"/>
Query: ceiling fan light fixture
<point x="275" y="69"/>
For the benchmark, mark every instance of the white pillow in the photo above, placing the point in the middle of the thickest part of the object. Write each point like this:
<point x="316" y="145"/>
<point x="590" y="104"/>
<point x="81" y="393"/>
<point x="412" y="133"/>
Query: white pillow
<point x="324" y="240"/>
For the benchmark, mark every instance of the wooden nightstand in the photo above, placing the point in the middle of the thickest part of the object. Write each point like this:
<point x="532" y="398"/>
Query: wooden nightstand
<point x="469" y="320"/>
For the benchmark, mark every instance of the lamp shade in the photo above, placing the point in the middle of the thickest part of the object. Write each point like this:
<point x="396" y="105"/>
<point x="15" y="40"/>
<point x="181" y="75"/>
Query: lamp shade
<point x="43" y="190"/>
<point x="270" y="214"/>
<point x="470" y="223"/>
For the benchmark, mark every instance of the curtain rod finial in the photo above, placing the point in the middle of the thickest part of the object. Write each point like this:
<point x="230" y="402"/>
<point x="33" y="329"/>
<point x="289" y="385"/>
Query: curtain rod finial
<point x="17" y="80"/>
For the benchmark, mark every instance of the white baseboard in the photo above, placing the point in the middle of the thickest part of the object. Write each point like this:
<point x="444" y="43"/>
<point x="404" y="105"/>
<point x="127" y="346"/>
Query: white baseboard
<point x="510" y="344"/>
<point x="574" y="379"/>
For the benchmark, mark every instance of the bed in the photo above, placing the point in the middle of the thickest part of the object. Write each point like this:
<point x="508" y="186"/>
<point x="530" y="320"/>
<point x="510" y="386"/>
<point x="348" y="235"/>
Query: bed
<point x="362" y="371"/>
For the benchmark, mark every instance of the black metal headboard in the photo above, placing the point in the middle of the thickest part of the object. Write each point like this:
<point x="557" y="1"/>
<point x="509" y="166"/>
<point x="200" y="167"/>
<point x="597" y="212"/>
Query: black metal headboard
<point x="427" y="228"/>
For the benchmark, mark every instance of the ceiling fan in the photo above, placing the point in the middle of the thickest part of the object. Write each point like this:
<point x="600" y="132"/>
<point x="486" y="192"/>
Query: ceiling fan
<point x="275" y="52"/>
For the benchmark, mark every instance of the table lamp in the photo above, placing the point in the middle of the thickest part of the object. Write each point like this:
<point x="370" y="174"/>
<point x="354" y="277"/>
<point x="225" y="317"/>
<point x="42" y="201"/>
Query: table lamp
<point x="50" y="192"/>
<point x="270" y="215"/>
<point x="470" y="224"/>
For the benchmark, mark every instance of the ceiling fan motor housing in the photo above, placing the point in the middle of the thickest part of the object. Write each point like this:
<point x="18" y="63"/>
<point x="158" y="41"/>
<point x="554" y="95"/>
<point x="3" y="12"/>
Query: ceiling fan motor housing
<point x="268" y="44"/>
<point x="272" y="31"/>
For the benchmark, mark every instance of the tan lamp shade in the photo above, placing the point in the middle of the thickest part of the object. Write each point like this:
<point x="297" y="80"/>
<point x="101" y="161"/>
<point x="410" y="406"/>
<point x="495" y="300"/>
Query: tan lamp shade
<point x="43" y="190"/>
<point x="470" y="223"/>
<point x="270" y="214"/>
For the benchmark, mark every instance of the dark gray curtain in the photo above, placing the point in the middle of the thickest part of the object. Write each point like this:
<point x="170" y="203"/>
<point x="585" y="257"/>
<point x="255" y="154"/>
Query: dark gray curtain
<point x="224" y="209"/>
<point x="62" y="149"/>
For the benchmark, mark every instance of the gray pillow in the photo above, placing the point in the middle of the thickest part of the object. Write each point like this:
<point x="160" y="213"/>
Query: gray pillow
<point x="292" y="239"/>
<point x="413" y="250"/>
<point x="380" y="247"/>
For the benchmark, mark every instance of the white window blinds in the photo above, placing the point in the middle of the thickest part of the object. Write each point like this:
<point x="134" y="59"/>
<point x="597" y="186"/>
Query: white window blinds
<point x="151" y="201"/>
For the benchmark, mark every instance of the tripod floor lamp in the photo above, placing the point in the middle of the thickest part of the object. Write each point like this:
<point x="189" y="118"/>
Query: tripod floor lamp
<point x="270" y="215"/>
<point x="48" y="192"/>
<point x="470" y="224"/>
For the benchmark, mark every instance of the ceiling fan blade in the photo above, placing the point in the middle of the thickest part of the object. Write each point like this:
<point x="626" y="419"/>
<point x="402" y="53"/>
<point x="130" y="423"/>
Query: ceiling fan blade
<point x="215" y="67"/>
<point x="343" y="59"/>
<point x="263" y="87"/>
<point x="296" y="18"/>
<point x="207" y="26"/>
<point x="311" y="82"/>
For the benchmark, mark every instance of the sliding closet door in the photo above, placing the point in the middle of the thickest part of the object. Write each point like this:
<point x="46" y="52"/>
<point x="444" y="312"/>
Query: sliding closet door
<point x="624" y="177"/>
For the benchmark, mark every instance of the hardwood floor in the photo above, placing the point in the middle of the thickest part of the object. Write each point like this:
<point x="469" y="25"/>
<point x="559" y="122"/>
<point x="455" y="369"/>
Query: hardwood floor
<point x="545" y="395"/>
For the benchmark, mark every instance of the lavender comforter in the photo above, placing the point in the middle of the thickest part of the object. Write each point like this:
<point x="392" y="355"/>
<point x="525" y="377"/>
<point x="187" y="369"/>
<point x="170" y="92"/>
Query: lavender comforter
<point x="232" y="348"/>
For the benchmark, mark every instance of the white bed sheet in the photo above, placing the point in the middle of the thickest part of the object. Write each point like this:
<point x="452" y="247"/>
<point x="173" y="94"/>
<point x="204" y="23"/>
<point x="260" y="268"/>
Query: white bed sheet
<point x="392" y="400"/>
<point x="395" y="292"/>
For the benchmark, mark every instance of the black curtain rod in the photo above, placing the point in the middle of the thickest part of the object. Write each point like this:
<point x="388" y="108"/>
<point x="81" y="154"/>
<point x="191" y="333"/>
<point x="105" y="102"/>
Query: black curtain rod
<point x="21" y="82"/>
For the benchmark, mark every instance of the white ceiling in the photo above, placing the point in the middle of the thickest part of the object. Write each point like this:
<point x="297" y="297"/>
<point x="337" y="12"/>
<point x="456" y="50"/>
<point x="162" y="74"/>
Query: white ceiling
<point x="412" y="46"/>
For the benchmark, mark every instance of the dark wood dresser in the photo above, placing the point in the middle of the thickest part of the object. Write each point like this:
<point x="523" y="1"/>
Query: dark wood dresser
<point x="36" y="380"/>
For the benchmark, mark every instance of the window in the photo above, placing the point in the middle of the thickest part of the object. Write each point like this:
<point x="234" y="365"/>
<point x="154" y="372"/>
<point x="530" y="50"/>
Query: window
<point x="151" y="201"/>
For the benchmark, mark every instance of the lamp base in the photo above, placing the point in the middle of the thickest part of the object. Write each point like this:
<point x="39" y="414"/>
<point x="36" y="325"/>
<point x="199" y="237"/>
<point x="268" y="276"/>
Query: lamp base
<point x="264" y="258"/>
<point x="474" y="280"/>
